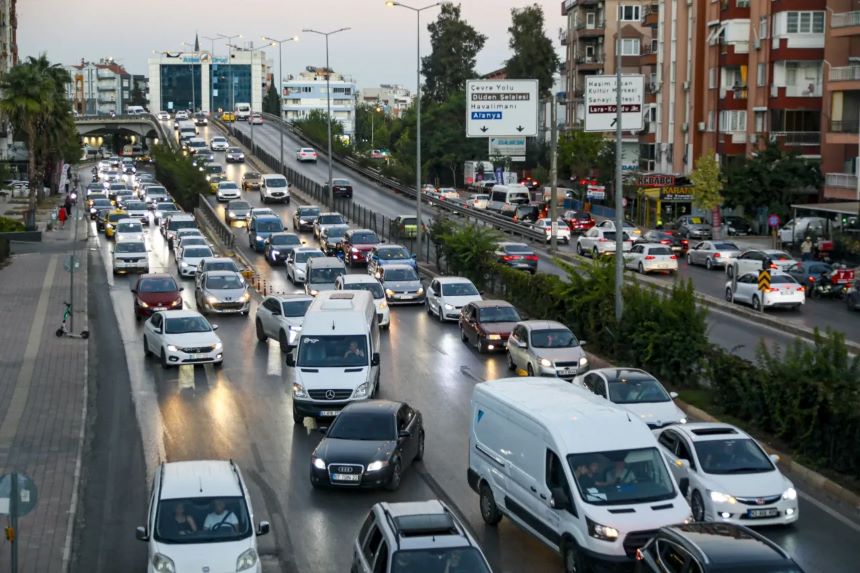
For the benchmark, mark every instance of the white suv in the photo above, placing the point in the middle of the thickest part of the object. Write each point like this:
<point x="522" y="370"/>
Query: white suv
<point x="200" y="519"/>
<point x="275" y="188"/>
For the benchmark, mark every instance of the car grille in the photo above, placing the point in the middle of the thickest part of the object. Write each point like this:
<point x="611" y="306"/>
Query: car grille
<point x="573" y="364"/>
<point x="229" y="305"/>
<point x="197" y="349"/>
<point x="329" y="394"/>
<point x="759" y="500"/>
<point x="131" y="260"/>
<point x="636" y="540"/>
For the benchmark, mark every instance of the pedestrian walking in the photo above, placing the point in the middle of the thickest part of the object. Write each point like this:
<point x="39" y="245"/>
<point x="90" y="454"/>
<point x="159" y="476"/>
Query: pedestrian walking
<point x="62" y="216"/>
<point x="67" y="205"/>
<point x="806" y="249"/>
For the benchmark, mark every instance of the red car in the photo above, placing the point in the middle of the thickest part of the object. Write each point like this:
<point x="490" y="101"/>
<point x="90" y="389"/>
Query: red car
<point x="154" y="292"/>
<point x="357" y="244"/>
<point x="578" y="221"/>
<point x="487" y="324"/>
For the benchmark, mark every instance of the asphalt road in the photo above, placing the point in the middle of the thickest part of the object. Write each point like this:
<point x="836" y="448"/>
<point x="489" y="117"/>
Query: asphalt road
<point x="243" y="412"/>
<point x="815" y="313"/>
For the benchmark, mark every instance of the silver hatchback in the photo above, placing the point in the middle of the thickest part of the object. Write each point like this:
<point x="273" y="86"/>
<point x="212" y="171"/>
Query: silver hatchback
<point x="546" y="348"/>
<point x="223" y="292"/>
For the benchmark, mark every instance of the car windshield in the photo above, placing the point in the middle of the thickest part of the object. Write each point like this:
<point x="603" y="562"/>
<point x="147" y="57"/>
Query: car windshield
<point x="621" y="477"/>
<point x="269" y="226"/>
<point x="459" y="559"/>
<point x="294" y="308"/>
<point x="114" y="217"/>
<point x="129" y="228"/>
<point x="220" y="266"/>
<point x="498" y="314"/>
<point x="166" y="207"/>
<point x="135" y="205"/>
<point x="553" y="338"/>
<point x="400" y="275"/>
<point x="340" y="182"/>
<point x="737" y="456"/>
<point x="285" y="239"/>
<point x="459" y="289"/>
<point x="224" y="282"/>
<point x="186" y="324"/>
<point x="330" y="219"/>
<point x="664" y="251"/>
<point x="214" y="169"/>
<point x="517" y="249"/>
<point x="303" y="256"/>
<point x="309" y="211"/>
<point x="696" y="221"/>
<point x="373" y="288"/>
<point x="197" y="252"/>
<point x="726" y="247"/>
<point x="336" y="232"/>
<point x="370" y="426"/>
<point x="234" y="150"/>
<point x="130" y="247"/>
<point x="332" y="351"/>
<point x="276" y="182"/>
<point x="228" y="185"/>
<point x="161" y="284"/>
<point x="325" y="275"/>
<point x="239" y="206"/>
<point x="202" y="520"/>
<point x="176" y="225"/>
<point x="101" y="202"/>
<point x="636" y="388"/>
<point x="252" y="175"/>
<point x="409" y="221"/>
<point x="364" y="238"/>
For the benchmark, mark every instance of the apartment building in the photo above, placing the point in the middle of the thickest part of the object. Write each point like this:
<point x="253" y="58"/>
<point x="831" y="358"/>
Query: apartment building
<point x="102" y="87"/>
<point x="308" y="92"/>
<point x="394" y="99"/>
<point x="8" y="58"/>
<point x="841" y="102"/>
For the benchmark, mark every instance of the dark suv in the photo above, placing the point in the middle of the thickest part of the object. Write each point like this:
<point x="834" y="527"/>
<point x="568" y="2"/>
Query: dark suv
<point x="340" y="188"/>
<point x="712" y="547"/>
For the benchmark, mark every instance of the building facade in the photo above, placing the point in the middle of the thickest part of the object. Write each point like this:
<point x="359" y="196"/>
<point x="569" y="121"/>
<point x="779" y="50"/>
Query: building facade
<point x="8" y="58"/>
<point x="202" y="82"/>
<point x="99" y="88"/>
<point x="394" y="99"/>
<point x="307" y="92"/>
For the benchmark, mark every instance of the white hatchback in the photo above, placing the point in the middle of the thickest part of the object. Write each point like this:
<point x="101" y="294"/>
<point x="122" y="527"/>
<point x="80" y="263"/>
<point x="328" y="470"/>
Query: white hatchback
<point x="227" y="191"/>
<point x="562" y="231"/>
<point x="128" y="230"/>
<point x="650" y="257"/>
<point x="784" y="291"/>
<point x="446" y="296"/>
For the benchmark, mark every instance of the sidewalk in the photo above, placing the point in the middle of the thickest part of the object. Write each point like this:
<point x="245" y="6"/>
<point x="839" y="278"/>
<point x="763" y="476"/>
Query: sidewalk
<point x="43" y="392"/>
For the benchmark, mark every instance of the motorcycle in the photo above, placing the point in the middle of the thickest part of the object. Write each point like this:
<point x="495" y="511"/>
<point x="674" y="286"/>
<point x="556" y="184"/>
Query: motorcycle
<point x="833" y="284"/>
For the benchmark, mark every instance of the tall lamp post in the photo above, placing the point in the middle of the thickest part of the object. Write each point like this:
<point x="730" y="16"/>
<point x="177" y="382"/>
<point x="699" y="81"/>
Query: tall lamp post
<point x="391" y="4"/>
<point x="230" y="64"/>
<point x="212" y="40"/>
<point x="193" y="88"/>
<point x="328" y="103"/>
<point x="280" y="84"/>
<point x="252" y="51"/>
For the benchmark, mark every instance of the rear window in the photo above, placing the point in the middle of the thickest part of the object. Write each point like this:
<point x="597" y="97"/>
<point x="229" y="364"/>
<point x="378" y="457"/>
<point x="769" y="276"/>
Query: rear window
<point x="221" y="266"/>
<point x="400" y="275"/>
<point x="197" y="252"/>
<point x="726" y="247"/>
<point x="659" y="251"/>
<point x="778" y="256"/>
<point x="269" y="226"/>
<point x="518" y="249"/>
<point x="782" y="279"/>
<point x="340" y="182"/>
<point x="366" y="238"/>
<point x="295" y="308"/>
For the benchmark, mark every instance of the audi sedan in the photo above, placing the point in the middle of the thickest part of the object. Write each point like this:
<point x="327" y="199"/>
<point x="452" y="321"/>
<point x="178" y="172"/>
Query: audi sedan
<point x="368" y="445"/>
<point x="304" y="218"/>
<point x="223" y="292"/>
<point x="279" y="246"/>
<point x="234" y="155"/>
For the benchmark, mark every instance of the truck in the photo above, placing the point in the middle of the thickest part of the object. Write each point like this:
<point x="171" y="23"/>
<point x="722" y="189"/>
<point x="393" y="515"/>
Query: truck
<point x="476" y="174"/>
<point x="243" y="111"/>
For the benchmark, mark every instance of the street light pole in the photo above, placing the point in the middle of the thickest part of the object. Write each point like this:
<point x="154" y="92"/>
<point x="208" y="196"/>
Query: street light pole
<point x="251" y="118"/>
<point x="619" y="190"/>
<point x="280" y="44"/>
<point x="328" y="105"/>
<point x="417" y="11"/>
<point x="193" y="90"/>
<point x="211" y="62"/>
<point x="230" y="64"/>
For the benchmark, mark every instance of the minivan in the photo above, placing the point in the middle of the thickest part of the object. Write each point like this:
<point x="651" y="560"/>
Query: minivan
<point x="337" y="357"/>
<point x="796" y="230"/>
<point x="583" y="476"/>
<point x="321" y="274"/>
<point x="506" y="197"/>
<point x="275" y="188"/>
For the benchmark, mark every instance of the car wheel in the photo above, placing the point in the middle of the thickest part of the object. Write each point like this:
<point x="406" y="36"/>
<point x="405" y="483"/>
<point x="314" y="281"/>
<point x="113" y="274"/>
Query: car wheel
<point x="261" y="335"/>
<point x="164" y="363"/>
<point x="756" y="303"/>
<point x="298" y="419"/>
<point x="463" y="336"/>
<point x="489" y="510"/>
<point x="641" y="269"/>
<point x="427" y="306"/>
<point x="478" y="345"/>
<point x="511" y="365"/>
<point x="146" y="351"/>
<point x="595" y="253"/>
<point x="420" y="454"/>
<point x="729" y="296"/>
<point x="530" y="370"/>
<point x="697" y="506"/>
<point x="439" y="314"/>
<point x="709" y="264"/>
<point x="574" y="560"/>
<point x="282" y="340"/>
<point x="730" y="270"/>
<point x="689" y="260"/>
<point x="394" y="482"/>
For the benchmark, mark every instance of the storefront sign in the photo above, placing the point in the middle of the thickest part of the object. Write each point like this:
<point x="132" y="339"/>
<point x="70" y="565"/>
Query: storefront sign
<point x="656" y="180"/>
<point x="596" y="192"/>
<point x="676" y="194"/>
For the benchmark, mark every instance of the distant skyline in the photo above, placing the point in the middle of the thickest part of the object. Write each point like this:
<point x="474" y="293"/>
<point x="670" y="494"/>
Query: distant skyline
<point x="380" y="47"/>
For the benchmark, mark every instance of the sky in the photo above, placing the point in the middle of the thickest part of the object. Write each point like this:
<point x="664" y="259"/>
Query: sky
<point x="379" y="47"/>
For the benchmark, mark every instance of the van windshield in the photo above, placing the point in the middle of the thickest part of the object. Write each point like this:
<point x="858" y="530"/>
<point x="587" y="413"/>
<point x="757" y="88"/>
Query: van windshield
<point x="373" y="288"/>
<point x="325" y="275"/>
<point x="202" y="520"/>
<point x="276" y="182"/>
<point x="332" y="351"/>
<point x="621" y="476"/>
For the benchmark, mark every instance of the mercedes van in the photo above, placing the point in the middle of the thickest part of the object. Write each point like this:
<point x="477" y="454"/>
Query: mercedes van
<point x="582" y="475"/>
<point x="321" y="274"/>
<point x="507" y="197"/>
<point x="336" y="359"/>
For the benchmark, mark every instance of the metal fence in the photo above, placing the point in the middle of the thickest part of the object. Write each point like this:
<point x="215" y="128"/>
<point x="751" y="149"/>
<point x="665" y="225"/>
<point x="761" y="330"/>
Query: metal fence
<point x="208" y="217"/>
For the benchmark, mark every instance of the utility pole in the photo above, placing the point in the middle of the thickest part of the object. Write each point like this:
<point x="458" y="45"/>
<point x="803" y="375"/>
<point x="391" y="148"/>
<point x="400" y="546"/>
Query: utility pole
<point x="619" y="184"/>
<point x="230" y="64"/>
<point x="280" y="84"/>
<point x="553" y="175"/>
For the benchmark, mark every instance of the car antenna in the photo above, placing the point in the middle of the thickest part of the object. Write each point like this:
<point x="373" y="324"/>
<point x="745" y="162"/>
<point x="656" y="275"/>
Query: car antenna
<point x="332" y="325"/>
<point x="200" y="481"/>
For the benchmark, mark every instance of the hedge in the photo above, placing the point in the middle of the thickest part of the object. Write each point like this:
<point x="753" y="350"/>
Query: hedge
<point x="180" y="176"/>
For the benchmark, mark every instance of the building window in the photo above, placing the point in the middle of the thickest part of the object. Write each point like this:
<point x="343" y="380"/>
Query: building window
<point x="742" y="3"/>
<point x="630" y="46"/>
<point x="630" y="13"/>
<point x="710" y="121"/>
<point x="762" y="27"/>
<point x="805" y="22"/>
<point x="761" y="76"/>
<point x="759" y="122"/>
<point x="733" y="120"/>
<point x="712" y="78"/>
<point x="654" y="44"/>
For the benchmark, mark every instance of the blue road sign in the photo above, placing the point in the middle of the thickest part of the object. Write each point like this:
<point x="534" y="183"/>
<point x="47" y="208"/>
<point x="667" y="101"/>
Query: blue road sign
<point x="486" y="115"/>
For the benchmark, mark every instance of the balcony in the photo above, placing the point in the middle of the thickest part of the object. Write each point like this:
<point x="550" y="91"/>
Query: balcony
<point x="589" y="62"/>
<point x="796" y="138"/>
<point x="652" y="16"/>
<point x="841" y="180"/>
<point x="808" y="90"/>
<point x="736" y="92"/>
<point x="845" y="126"/>
<point x="841" y="22"/>
<point x="844" y="74"/>
<point x="590" y="29"/>
<point x="563" y="36"/>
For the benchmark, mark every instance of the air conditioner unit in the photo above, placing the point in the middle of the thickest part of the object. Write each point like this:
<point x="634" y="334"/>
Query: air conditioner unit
<point x="686" y="86"/>
<point x="774" y="91"/>
<point x="685" y="127"/>
<point x="701" y="126"/>
<point x="757" y="44"/>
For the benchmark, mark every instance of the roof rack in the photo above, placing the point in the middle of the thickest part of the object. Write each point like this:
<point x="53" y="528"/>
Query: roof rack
<point x="714" y="431"/>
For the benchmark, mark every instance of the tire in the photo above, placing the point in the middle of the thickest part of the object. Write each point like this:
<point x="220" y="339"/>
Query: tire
<point x="729" y="296"/>
<point x="146" y="352"/>
<point x="709" y="264"/>
<point x="463" y="336"/>
<point x="283" y="341"/>
<point x="439" y="314"/>
<point x="478" y="346"/>
<point x="756" y="303"/>
<point x="298" y="419"/>
<point x="427" y="304"/>
<point x="579" y="250"/>
<point x="511" y="366"/>
<point x="730" y="270"/>
<point x="396" y="476"/>
<point x="164" y="363"/>
<point x="689" y="260"/>
<point x="574" y="560"/>
<point x="697" y="506"/>
<point x="595" y="253"/>
<point x="530" y="370"/>
<point x="420" y="454"/>
<point x="641" y="269"/>
<point x="490" y="512"/>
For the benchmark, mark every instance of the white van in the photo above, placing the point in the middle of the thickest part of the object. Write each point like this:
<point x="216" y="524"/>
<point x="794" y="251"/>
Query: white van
<point x="322" y="273"/>
<point x="336" y="360"/>
<point x="796" y="230"/>
<point x="274" y="188"/>
<point x="583" y="476"/>
<point x="243" y="111"/>
<point x="507" y="197"/>
<point x="135" y="110"/>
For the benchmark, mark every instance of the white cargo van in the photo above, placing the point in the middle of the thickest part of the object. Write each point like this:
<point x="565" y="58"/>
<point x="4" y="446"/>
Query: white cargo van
<point x="337" y="357"/>
<point x="507" y="197"/>
<point x="796" y="230"/>
<point x="581" y="475"/>
<point x="243" y="111"/>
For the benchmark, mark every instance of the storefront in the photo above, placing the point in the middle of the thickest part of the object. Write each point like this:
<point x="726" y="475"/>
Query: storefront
<point x="662" y="199"/>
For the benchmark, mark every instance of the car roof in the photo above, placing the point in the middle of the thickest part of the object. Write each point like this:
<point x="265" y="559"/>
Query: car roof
<point x="307" y="249"/>
<point x="273" y="176"/>
<point x="218" y="260"/>
<point x="129" y="220"/>
<point x="222" y="273"/>
<point x="491" y="303"/>
<point x="424" y="524"/>
<point x="513" y="244"/>
<point x="358" y="279"/>
<point x="706" y="431"/>
<point x="292" y="296"/>
<point x="373" y="406"/>
<point x="180" y="313"/>
<point x="397" y="267"/>
<point x="199" y="478"/>
<point x="724" y="544"/>
<point x="542" y="324"/>
<point x="453" y="280"/>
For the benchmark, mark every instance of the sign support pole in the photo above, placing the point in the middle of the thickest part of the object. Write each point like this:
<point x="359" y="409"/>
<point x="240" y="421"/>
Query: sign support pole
<point x="13" y="521"/>
<point x="553" y="176"/>
<point x="619" y="189"/>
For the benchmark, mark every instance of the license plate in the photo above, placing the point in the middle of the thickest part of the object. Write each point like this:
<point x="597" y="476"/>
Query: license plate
<point x="567" y="372"/>
<point x="345" y="477"/>
<point x="770" y="512"/>
<point x="329" y="413"/>
<point x="159" y="307"/>
<point x="199" y="356"/>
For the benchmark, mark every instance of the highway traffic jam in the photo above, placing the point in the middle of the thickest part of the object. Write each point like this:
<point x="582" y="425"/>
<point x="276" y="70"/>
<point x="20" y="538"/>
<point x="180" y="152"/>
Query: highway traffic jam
<point x="597" y="464"/>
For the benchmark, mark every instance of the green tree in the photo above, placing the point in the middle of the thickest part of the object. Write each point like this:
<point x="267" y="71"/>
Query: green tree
<point x="469" y="251"/>
<point x="315" y="126"/>
<point x="271" y="102"/>
<point x="371" y="127"/>
<point x="137" y="97"/>
<point x="707" y="186"/>
<point x="579" y="153"/>
<point x="533" y="54"/>
<point x="454" y="47"/>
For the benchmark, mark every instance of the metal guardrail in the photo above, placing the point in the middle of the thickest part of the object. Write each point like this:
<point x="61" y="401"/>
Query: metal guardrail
<point x="207" y="216"/>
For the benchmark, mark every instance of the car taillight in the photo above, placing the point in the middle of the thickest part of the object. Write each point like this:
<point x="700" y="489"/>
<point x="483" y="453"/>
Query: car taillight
<point x="716" y="255"/>
<point x="649" y="257"/>
<point x="602" y="240"/>
<point x="508" y="258"/>
<point x="773" y="266"/>
<point x="531" y="258"/>
<point x="800" y="289"/>
<point x="773" y="289"/>
<point x="811" y="279"/>
<point x="685" y="242"/>
<point x="664" y="242"/>
<point x="639" y="555"/>
<point x="673" y="257"/>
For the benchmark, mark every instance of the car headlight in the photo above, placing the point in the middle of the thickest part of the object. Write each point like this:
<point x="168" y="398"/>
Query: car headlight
<point x="361" y="391"/>
<point x="247" y="559"/>
<point x="275" y="252"/>
<point x="314" y="292"/>
<point x="246" y="297"/>
<point x="420" y="290"/>
<point x="177" y="302"/>
<point x="376" y="466"/>
<point x="683" y="420"/>
<point x="545" y="362"/>
<point x="171" y="347"/>
<point x="184" y="264"/>
<point x="142" y="304"/>
<point x="790" y="494"/>
<point x="718" y="497"/>
<point x="211" y="299"/>
<point x="494" y="337"/>
<point x="302" y="222"/>
<point x="319" y="463"/>
<point x="449" y="307"/>
<point x="219" y="347"/>
<point x="383" y="305"/>
<point x="299" y="391"/>
<point x="389" y="292"/>
<point x="162" y="563"/>
<point x="599" y="531"/>
<point x="354" y="250"/>
<point x="583" y="361"/>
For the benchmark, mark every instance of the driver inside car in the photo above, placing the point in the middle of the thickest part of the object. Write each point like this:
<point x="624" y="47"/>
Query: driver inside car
<point x="220" y="518"/>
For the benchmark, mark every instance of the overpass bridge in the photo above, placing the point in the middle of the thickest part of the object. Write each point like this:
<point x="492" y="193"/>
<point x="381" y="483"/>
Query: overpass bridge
<point x="145" y="126"/>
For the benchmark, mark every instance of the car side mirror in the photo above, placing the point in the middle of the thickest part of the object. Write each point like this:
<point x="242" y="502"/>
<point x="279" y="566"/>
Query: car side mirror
<point x="774" y="458"/>
<point x="181" y="289"/>
<point x="323" y="430"/>
<point x="404" y="434"/>
<point x="291" y="360"/>
<point x="141" y="534"/>
<point x="214" y="327"/>
<point x="684" y="486"/>
<point x="263" y="528"/>
<point x="673" y="395"/>
<point x="414" y="257"/>
<point x="133" y="290"/>
<point x="522" y="343"/>
<point x="583" y="342"/>
<point x="374" y="360"/>
<point x="558" y="499"/>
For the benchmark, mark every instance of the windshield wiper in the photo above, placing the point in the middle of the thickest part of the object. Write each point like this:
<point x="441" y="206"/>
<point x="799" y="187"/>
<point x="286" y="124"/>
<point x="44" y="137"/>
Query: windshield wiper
<point x="746" y="470"/>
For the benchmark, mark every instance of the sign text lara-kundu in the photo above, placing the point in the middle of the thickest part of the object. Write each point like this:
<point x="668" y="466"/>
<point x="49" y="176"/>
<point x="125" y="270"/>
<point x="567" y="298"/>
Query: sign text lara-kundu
<point x="601" y="103"/>
<point x="501" y="108"/>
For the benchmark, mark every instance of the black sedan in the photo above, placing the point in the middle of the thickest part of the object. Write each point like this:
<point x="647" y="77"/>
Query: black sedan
<point x="737" y="225"/>
<point x="279" y="245"/>
<point x="304" y="217"/>
<point x="368" y="445"/>
<point x="668" y="238"/>
<point x="340" y="188"/>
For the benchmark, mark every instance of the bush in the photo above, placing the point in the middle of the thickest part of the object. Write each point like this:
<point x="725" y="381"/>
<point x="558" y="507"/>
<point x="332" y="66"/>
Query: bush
<point x="8" y="225"/>
<point x="182" y="178"/>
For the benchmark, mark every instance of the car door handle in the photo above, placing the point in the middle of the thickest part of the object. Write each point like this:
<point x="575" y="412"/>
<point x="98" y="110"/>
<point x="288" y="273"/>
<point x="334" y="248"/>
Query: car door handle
<point x="542" y="496"/>
<point x="533" y="488"/>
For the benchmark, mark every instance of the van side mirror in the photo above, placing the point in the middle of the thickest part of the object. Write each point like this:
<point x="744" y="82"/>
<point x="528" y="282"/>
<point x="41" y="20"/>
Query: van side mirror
<point x="558" y="499"/>
<point x="684" y="486"/>
<point x="374" y="360"/>
<point x="263" y="528"/>
<point x="141" y="534"/>
<point x="214" y="327"/>
<point x="291" y="359"/>
<point x="673" y="395"/>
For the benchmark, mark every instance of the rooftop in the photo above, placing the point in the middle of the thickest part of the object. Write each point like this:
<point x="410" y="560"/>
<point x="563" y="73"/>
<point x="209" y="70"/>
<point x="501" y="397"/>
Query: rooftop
<point x="199" y="478"/>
